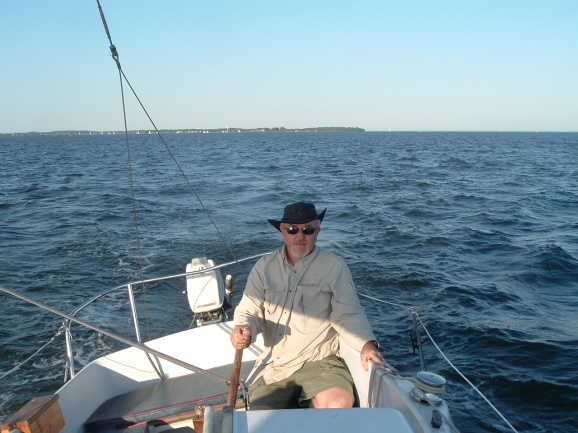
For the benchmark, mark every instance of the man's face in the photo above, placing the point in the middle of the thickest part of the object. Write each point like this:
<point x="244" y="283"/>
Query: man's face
<point x="300" y="244"/>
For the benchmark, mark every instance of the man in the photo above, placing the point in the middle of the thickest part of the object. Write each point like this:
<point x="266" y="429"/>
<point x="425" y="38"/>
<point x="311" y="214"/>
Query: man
<point x="302" y="298"/>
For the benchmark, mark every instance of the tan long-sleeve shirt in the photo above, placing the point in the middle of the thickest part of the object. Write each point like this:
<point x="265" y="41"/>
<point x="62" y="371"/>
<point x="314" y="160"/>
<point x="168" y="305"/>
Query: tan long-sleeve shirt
<point x="301" y="310"/>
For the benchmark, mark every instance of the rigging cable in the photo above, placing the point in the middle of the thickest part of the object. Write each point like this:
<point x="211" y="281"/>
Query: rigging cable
<point x="192" y="188"/>
<point x="58" y="332"/>
<point x="116" y="58"/>
<point x="443" y="355"/>
<point x="464" y="377"/>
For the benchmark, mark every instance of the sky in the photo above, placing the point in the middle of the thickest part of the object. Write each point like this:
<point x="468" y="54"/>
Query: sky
<point x="436" y="65"/>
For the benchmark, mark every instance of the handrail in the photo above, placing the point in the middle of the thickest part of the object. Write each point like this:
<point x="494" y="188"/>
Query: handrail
<point x="152" y="280"/>
<point x="128" y="287"/>
<point x="120" y="338"/>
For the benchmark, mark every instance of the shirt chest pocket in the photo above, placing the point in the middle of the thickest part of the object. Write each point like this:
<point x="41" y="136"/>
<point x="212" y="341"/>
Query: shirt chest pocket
<point x="273" y="297"/>
<point x="315" y="306"/>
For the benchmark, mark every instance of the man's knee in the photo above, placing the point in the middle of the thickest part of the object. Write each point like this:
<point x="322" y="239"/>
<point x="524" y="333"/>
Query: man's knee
<point x="332" y="398"/>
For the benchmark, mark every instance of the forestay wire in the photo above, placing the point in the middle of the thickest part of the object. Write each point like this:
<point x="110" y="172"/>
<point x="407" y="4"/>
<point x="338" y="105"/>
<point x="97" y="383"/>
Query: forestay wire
<point x="443" y="355"/>
<point x="116" y="58"/>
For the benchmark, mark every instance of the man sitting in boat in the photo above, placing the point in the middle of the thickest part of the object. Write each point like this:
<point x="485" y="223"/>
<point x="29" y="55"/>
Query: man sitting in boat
<point x="302" y="298"/>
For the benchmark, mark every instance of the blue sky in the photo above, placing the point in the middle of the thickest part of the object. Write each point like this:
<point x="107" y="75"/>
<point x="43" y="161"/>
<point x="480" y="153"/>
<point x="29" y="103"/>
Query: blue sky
<point x="406" y="65"/>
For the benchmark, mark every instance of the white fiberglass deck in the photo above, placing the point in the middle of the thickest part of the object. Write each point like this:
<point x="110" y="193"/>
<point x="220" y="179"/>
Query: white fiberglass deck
<point x="377" y="420"/>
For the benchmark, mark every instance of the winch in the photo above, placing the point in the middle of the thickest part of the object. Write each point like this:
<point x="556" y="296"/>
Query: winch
<point x="429" y="387"/>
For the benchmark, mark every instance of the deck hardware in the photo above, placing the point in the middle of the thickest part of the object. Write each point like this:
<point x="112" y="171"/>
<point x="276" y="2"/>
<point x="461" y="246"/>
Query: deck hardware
<point x="429" y="388"/>
<point x="436" y="419"/>
<point x="416" y="339"/>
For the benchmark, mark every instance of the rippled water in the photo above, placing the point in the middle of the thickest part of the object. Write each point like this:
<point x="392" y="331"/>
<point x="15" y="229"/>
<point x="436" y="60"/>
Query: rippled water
<point x="478" y="231"/>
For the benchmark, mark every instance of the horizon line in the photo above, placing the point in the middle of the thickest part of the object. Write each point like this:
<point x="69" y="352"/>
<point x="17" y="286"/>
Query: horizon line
<point x="236" y="130"/>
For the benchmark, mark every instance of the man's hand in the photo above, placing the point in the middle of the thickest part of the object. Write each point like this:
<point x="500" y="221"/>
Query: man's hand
<point x="369" y="352"/>
<point x="241" y="337"/>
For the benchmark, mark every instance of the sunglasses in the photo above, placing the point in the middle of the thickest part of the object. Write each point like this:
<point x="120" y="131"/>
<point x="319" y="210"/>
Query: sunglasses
<point x="292" y="230"/>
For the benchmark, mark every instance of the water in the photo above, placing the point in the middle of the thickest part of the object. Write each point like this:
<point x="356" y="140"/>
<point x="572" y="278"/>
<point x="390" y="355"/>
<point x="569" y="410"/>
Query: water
<point x="478" y="231"/>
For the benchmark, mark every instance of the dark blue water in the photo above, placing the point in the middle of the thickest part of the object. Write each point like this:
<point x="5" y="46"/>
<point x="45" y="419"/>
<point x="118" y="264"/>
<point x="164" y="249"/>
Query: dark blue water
<point x="478" y="231"/>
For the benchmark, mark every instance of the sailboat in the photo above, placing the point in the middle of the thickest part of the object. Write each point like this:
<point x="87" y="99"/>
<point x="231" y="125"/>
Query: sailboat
<point x="186" y="380"/>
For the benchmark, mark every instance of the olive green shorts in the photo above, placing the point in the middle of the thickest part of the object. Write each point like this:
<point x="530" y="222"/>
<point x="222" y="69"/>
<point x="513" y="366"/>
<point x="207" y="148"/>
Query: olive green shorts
<point x="296" y="391"/>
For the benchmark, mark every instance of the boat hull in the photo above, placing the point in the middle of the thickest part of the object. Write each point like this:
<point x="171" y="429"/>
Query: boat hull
<point x="123" y="389"/>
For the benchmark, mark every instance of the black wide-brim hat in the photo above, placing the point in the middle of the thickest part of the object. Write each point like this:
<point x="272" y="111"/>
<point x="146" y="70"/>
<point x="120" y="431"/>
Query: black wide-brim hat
<point x="298" y="213"/>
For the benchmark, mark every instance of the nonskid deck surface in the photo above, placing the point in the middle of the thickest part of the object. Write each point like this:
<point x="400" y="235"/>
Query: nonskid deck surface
<point x="163" y="399"/>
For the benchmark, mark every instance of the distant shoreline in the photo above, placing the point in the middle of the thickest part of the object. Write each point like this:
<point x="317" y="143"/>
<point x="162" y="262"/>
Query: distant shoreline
<point x="226" y="130"/>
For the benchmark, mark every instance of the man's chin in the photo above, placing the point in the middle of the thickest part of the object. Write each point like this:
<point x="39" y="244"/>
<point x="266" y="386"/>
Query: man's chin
<point x="299" y="253"/>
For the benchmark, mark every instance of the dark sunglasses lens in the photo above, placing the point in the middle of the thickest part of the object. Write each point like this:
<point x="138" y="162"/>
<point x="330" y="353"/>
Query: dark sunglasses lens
<point x="295" y="230"/>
